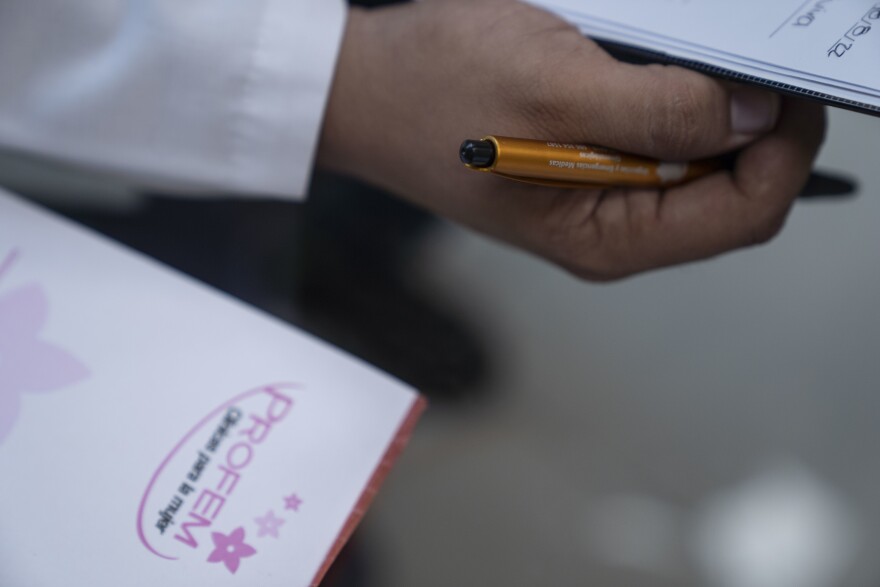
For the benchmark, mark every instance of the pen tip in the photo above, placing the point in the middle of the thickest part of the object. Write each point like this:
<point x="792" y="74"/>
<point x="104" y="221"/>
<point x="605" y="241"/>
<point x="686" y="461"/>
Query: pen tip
<point x="477" y="153"/>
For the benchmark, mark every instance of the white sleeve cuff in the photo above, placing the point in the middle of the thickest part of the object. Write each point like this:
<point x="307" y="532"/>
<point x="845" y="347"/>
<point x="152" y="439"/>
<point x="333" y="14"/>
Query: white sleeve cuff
<point x="278" y="123"/>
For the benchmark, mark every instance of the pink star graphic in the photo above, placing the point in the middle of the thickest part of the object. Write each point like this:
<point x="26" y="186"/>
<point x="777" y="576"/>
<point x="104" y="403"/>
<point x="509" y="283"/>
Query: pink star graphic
<point x="230" y="549"/>
<point x="292" y="502"/>
<point x="268" y="525"/>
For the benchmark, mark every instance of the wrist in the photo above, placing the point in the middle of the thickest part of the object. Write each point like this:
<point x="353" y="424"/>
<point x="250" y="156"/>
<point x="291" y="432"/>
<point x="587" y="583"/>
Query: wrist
<point x="378" y="103"/>
<point x="346" y="105"/>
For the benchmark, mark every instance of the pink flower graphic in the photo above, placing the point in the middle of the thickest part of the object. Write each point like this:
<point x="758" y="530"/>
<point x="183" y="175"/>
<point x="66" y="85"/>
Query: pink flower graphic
<point x="230" y="549"/>
<point x="28" y="364"/>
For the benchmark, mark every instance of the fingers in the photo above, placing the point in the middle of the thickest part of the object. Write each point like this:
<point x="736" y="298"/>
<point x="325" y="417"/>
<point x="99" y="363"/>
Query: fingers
<point x="750" y="205"/>
<point x="669" y="112"/>
<point x="630" y="231"/>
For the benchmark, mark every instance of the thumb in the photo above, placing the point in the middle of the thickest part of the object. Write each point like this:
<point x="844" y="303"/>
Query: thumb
<point x="672" y="113"/>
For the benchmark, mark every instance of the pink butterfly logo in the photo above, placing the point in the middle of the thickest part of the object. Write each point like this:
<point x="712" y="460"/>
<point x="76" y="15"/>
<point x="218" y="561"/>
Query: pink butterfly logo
<point x="27" y="363"/>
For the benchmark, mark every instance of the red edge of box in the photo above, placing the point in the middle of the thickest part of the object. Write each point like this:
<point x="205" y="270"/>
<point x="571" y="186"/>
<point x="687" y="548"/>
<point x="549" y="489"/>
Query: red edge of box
<point x="395" y="448"/>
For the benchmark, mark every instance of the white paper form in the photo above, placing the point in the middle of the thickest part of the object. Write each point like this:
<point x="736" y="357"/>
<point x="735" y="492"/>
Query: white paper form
<point x="777" y="78"/>
<point x="747" y="69"/>
<point x="840" y="49"/>
<point x="827" y="46"/>
<point x="154" y="431"/>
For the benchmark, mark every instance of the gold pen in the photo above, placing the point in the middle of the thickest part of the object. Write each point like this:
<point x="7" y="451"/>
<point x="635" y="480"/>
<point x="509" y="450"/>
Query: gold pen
<point x="576" y="166"/>
<point x="566" y="165"/>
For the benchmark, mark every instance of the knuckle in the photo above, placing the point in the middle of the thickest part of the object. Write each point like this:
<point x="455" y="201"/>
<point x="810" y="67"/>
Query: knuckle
<point x="558" y="108"/>
<point x="675" y="127"/>
<point x="584" y="242"/>
<point x="599" y="275"/>
<point x="569" y="234"/>
<point x="596" y="266"/>
<point x="767" y="227"/>
<point x="589" y="266"/>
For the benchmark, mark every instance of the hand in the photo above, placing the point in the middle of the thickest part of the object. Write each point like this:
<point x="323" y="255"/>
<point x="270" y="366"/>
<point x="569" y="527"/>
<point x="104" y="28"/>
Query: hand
<point x="413" y="81"/>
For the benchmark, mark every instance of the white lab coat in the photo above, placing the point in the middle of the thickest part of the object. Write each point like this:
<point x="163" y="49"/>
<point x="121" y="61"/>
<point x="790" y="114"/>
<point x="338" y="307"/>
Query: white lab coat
<point x="220" y="95"/>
